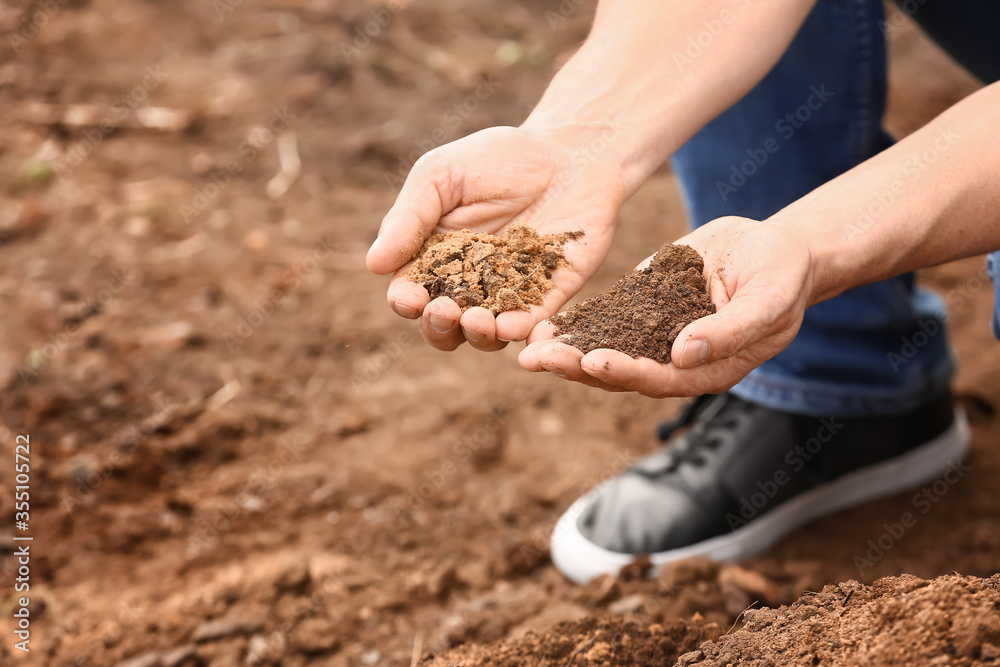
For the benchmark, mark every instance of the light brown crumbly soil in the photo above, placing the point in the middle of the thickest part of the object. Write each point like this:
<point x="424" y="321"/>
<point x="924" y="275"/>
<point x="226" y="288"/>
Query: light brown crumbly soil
<point x="951" y="620"/>
<point x="590" y="642"/>
<point x="509" y="272"/>
<point x="642" y="314"/>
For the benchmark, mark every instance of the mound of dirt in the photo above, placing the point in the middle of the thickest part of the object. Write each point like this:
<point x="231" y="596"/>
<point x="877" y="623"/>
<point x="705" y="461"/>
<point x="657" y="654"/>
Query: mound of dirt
<point x="951" y="620"/>
<point x="509" y="272"/>
<point x="588" y="642"/>
<point x="642" y="314"/>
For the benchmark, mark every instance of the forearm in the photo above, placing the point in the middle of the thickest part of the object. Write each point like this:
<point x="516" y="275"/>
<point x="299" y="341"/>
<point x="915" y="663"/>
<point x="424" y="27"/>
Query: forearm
<point x="931" y="198"/>
<point x="642" y="84"/>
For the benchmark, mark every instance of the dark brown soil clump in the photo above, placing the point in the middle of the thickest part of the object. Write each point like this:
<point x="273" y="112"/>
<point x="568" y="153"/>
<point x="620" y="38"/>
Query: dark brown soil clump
<point x="509" y="272"/>
<point x="590" y="642"/>
<point x="642" y="314"/>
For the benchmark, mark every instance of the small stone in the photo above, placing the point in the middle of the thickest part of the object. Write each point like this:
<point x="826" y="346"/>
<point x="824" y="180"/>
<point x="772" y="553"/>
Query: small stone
<point x="442" y="580"/>
<point x="144" y="660"/>
<point x="690" y="658"/>
<point x="752" y="583"/>
<point x="257" y="650"/>
<point x="293" y="576"/>
<point x="371" y="657"/>
<point x="627" y="604"/>
<point x="176" y="656"/>
<point x="315" y="635"/>
<point x="137" y="225"/>
<point x="989" y="651"/>
<point x="172" y="335"/>
<point x="353" y="424"/>
<point x="264" y="649"/>
<point x="257" y="240"/>
<point x="202" y="163"/>
<point x="224" y="628"/>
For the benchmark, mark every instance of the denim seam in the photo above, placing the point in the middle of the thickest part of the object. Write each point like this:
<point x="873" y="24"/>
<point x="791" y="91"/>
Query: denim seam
<point x="865" y="135"/>
<point x="836" y="391"/>
<point x="779" y="396"/>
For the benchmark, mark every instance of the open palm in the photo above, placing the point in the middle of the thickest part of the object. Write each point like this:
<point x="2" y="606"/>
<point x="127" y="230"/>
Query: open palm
<point x="759" y="276"/>
<point x="486" y="182"/>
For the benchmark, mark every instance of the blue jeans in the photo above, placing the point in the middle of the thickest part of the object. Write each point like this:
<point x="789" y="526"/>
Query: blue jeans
<point x="881" y="348"/>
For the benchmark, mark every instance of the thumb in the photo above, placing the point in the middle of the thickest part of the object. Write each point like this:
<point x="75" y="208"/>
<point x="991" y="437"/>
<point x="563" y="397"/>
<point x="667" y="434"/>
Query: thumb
<point x="737" y="325"/>
<point x="428" y="194"/>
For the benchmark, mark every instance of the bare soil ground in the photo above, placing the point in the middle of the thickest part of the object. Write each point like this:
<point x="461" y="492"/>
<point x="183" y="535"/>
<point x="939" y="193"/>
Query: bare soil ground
<point x="239" y="454"/>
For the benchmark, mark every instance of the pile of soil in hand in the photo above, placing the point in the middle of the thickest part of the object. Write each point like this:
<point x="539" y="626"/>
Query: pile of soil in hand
<point x="591" y="641"/>
<point x="951" y="620"/>
<point x="642" y="314"/>
<point x="509" y="272"/>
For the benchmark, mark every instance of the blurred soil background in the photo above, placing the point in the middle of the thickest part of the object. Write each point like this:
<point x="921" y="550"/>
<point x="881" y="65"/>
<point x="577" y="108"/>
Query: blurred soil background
<point x="239" y="455"/>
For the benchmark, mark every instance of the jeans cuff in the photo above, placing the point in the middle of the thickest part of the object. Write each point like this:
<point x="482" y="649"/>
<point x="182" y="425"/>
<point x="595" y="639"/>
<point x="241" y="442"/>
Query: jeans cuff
<point x="816" y="399"/>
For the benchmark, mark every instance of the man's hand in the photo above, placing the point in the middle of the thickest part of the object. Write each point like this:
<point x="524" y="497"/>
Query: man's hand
<point x="484" y="183"/>
<point x="760" y="278"/>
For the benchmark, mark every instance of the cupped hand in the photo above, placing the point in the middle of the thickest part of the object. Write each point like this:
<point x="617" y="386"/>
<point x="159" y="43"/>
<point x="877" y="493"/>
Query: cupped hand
<point x="486" y="182"/>
<point x="760" y="279"/>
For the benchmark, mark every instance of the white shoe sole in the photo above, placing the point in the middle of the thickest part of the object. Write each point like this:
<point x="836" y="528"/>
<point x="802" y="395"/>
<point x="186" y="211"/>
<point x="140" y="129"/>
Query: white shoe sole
<point x="581" y="560"/>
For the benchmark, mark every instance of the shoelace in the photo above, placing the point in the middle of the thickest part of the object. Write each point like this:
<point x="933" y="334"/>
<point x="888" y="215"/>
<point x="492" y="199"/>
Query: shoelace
<point x="687" y="415"/>
<point x="704" y="434"/>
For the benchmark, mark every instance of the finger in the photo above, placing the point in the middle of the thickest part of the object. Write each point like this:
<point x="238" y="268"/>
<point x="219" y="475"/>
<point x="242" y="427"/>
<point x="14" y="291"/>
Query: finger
<point x="742" y="322"/>
<point x="598" y="364"/>
<point x="651" y="378"/>
<point x="643" y="375"/>
<point x="479" y="328"/>
<point x="429" y="193"/>
<point x="407" y="298"/>
<point x="514" y="325"/>
<point x="439" y="324"/>
<point x="544" y="330"/>
<point x="518" y="324"/>
<point x="528" y="357"/>
<point x="562" y="360"/>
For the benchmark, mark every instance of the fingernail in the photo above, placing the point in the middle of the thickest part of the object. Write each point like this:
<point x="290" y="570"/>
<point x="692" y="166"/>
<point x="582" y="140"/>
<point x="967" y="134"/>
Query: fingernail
<point x="404" y="311"/>
<point x="372" y="247"/>
<point x="695" y="352"/>
<point x="441" y="324"/>
<point x="474" y="336"/>
<point x="597" y="372"/>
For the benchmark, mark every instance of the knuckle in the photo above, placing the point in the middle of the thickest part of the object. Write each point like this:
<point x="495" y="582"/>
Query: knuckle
<point x="735" y="340"/>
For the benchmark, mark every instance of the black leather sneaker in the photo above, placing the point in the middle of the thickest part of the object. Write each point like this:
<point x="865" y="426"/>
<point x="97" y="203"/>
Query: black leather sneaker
<point x="744" y="476"/>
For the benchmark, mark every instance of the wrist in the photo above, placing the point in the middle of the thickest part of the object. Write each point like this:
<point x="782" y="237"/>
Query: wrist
<point x="820" y="283"/>
<point x="602" y="114"/>
<point x="597" y="141"/>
